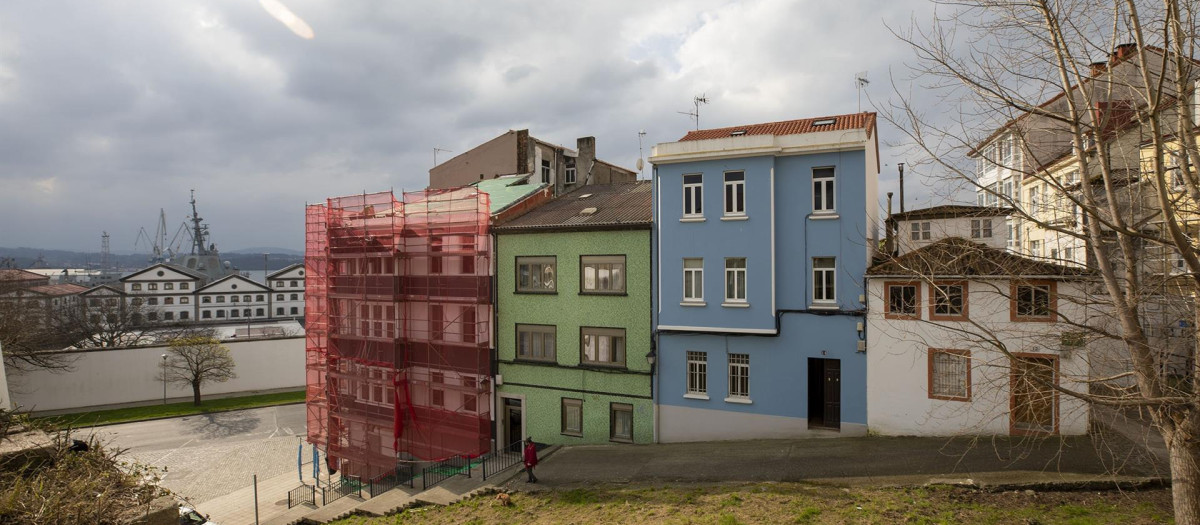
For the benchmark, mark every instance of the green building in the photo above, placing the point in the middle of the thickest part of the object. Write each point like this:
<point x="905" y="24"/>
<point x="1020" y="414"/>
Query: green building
<point x="573" y="319"/>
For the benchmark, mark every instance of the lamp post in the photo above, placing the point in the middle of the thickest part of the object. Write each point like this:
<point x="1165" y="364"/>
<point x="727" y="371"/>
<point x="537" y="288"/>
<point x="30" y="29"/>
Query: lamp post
<point x="164" y="376"/>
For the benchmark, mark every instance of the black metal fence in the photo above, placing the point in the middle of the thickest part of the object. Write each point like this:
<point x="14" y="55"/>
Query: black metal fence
<point x="302" y="495"/>
<point x="503" y="458"/>
<point x="443" y="470"/>
<point x="339" y="489"/>
<point x="403" y="475"/>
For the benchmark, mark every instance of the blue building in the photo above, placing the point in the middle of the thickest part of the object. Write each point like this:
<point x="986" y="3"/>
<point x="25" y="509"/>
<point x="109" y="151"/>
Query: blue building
<point x="762" y="237"/>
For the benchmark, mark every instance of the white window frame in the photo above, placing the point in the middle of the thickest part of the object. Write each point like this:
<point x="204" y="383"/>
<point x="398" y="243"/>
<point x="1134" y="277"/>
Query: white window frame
<point x="953" y="384"/>
<point x="569" y="173"/>
<point x="694" y="273"/>
<point x="981" y="228"/>
<point x="739" y="377"/>
<point x="819" y="275"/>
<point x="734" y="272"/>
<point x="825" y="178"/>
<point x="613" y="410"/>
<point x="695" y="190"/>
<point x="920" y="231"/>
<point x="696" y="382"/>
<point x="734" y="195"/>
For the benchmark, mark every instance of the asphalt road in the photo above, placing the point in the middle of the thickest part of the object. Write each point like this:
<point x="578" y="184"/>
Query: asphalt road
<point x="210" y="455"/>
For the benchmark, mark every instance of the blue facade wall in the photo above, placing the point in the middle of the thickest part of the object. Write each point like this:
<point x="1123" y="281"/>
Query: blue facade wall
<point x="779" y="362"/>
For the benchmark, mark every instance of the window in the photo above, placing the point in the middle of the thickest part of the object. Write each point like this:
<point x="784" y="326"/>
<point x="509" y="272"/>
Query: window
<point x="621" y="422"/>
<point x="470" y="403"/>
<point x="206" y="299"/>
<point x="1035" y="248"/>
<point x="693" y="280"/>
<point x="920" y="231"/>
<point x="232" y="299"/>
<point x="278" y="297"/>
<point x="259" y="312"/>
<point x="545" y="171"/>
<point x="739" y="375"/>
<point x="295" y="284"/>
<point x="183" y="315"/>
<point x="295" y="297"/>
<point x="536" y="342"/>
<point x="735" y="280"/>
<point x="152" y="286"/>
<point x="902" y="300"/>
<point x="823" y="190"/>
<point x="137" y="287"/>
<point x="824" y="279"/>
<point x="279" y="284"/>
<point x="168" y="300"/>
<point x="602" y="346"/>
<point x="981" y="228"/>
<point x="234" y="313"/>
<point x="437" y="397"/>
<point x="184" y="300"/>
<point x="950" y="374"/>
<point x="536" y="274"/>
<point x="259" y="297"/>
<point x="1035" y="200"/>
<point x="153" y="316"/>
<point x="279" y="311"/>
<point x="949" y="302"/>
<point x="295" y="311"/>
<point x="168" y="286"/>
<point x="437" y="323"/>
<point x="220" y="314"/>
<point x="153" y="301"/>
<point x="169" y="316"/>
<point x="569" y="176"/>
<point x="735" y="193"/>
<point x="1033" y="301"/>
<point x="572" y="417"/>
<point x="1069" y="254"/>
<point x="206" y="314"/>
<point x="693" y="195"/>
<point x="602" y="274"/>
<point x="697" y="373"/>
<point x="183" y="286"/>
<point x="246" y="298"/>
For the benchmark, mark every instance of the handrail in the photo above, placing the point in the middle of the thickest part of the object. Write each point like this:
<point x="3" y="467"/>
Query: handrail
<point x="499" y="460"/>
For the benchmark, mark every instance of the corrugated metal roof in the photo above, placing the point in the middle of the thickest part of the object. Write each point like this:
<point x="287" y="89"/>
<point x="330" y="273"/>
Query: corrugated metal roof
<point x="789" y="127"/>
<point x="507" y="190"/>
<point x="615" y="205"/>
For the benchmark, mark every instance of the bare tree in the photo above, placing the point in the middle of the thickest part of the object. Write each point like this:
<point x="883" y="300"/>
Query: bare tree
<point x="28" y="339"/>
<point x="1096" y="100"/>
<point x="196" y="360"/>
<point x="105" y="323"/>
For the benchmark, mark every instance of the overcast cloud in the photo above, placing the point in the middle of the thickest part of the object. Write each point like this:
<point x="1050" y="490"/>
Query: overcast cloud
<point x="111" y="109"/>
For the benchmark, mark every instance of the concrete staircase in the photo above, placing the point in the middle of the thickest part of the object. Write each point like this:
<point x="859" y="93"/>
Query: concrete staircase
<point x="448" y="492"/>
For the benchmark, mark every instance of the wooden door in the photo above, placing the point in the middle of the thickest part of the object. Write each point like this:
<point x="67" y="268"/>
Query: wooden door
<point x="833" y="393"/>
<point x="512" y="423"/>
<point x="1033" y="400"/>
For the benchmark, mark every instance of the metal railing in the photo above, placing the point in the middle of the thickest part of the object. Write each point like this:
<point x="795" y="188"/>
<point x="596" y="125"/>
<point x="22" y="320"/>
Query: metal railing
<point x="494" y="462"/>
<point x="446" y="469"/>
<point x="339" y="489"/>
<point x="403" y="475"/>
<point x="303" y="494"/>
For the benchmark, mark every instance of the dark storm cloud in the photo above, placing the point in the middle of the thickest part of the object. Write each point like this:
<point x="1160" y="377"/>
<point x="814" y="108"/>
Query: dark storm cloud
<point x="110" y="110"/>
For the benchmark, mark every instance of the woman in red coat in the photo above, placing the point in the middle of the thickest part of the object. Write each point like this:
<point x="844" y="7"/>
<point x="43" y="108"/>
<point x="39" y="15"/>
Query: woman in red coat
<point x="530" y="455"/>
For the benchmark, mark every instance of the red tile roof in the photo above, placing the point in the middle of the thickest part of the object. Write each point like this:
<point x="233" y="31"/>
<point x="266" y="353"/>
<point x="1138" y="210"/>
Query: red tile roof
<point x="59" y="289"/>
<point x="790" y="127"/>
<point x="21" y="275"/>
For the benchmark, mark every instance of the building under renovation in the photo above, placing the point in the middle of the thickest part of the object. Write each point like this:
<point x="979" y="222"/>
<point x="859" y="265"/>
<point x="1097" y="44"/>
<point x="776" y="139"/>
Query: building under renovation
<point x="398" y="326"/>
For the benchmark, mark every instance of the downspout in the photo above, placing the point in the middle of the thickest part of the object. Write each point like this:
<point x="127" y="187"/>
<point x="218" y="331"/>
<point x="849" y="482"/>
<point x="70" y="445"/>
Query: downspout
<point x="494" y="354"/>
<point x="654" y="300"/>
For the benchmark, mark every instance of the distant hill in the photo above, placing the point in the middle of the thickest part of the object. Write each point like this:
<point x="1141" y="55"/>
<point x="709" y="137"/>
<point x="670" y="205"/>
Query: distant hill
<point x="248" y="259"/>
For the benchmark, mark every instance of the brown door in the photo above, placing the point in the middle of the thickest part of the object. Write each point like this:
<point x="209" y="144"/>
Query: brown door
<point x="512" y="424"/>
<point x="1033" y="399"/>
<point x="833" y="393"/>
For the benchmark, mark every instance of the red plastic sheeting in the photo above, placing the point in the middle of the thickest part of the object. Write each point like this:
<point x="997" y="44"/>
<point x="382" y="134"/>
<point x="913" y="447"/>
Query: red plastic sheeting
<point x="398" y="306"/>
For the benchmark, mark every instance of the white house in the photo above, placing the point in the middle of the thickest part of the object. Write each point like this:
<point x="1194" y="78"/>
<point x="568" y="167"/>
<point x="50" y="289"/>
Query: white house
<point x="102" y="300"/>
<point x="915" y="229"/>
<point x="287" y="291"/>
<point x="964" y="338"/>
<point x="165" y="290"/>
<point x="234" y="298"/>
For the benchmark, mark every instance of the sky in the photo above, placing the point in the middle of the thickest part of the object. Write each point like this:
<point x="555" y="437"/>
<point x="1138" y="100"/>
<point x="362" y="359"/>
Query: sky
<point x="111" y="110"/>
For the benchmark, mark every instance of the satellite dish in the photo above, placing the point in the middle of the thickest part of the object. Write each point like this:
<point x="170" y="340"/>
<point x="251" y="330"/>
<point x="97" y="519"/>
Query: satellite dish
<point x="640" y="164"/>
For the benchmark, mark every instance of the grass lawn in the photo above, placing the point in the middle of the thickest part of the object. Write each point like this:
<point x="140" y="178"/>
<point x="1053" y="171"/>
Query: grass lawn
<point x="123" y="415"/>
<point x="794" y="503"/>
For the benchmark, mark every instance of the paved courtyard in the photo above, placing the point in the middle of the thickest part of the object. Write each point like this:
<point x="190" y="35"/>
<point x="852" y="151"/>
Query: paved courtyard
<point x="209" y="455"/>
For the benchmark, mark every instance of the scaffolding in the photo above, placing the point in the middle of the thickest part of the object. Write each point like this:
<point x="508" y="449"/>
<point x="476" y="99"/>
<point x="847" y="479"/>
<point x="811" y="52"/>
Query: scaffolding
<point x="398" y="305"/>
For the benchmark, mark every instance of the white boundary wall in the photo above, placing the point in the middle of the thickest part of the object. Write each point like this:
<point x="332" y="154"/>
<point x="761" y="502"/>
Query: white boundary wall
<point x="130" y="375"/>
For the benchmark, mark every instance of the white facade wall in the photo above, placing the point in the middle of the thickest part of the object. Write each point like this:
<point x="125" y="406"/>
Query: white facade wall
<point x="233" y="299"/>
<point x="941" y="229"/>
<point x="287" y="292"/>
<point x="167" y="294"/>
<point x="898" y="401"/>
<point x="128" y="375"/>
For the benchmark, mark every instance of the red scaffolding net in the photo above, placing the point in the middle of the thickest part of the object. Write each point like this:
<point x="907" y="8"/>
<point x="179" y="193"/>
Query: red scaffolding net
<point x="398" y="305"/>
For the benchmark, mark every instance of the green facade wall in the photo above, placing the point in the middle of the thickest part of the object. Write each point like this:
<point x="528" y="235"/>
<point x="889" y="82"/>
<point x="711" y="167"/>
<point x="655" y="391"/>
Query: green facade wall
<point x="544" y="385"/>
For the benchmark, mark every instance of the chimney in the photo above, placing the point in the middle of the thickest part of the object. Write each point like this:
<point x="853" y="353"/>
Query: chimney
<point x="1098" y="68"/>
<point x="901" y="188"/>
<point x="586" y="147"/>
<point x="523" y="157"/>
<point x="1122" y="52"/>
<point x="888" y="235"/>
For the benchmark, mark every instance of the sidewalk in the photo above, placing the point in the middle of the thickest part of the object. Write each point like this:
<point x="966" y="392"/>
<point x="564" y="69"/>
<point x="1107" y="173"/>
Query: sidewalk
<point x="237" y="508"/>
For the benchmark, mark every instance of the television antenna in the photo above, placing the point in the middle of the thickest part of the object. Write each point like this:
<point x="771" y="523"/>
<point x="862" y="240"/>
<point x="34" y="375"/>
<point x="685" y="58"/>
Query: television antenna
<point x="640" y="163"/>
<point x="435" y="152"/>
<point x="695" y="113"/>
<point x="860" y="84"/>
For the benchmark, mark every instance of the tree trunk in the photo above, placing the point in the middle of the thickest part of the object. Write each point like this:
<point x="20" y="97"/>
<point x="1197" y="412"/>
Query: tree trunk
<point x="196" y="394"/>
<point x="1185" y="477"/>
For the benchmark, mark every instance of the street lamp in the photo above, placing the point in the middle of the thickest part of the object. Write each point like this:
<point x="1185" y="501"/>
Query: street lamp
<point x="164" y="376"/>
